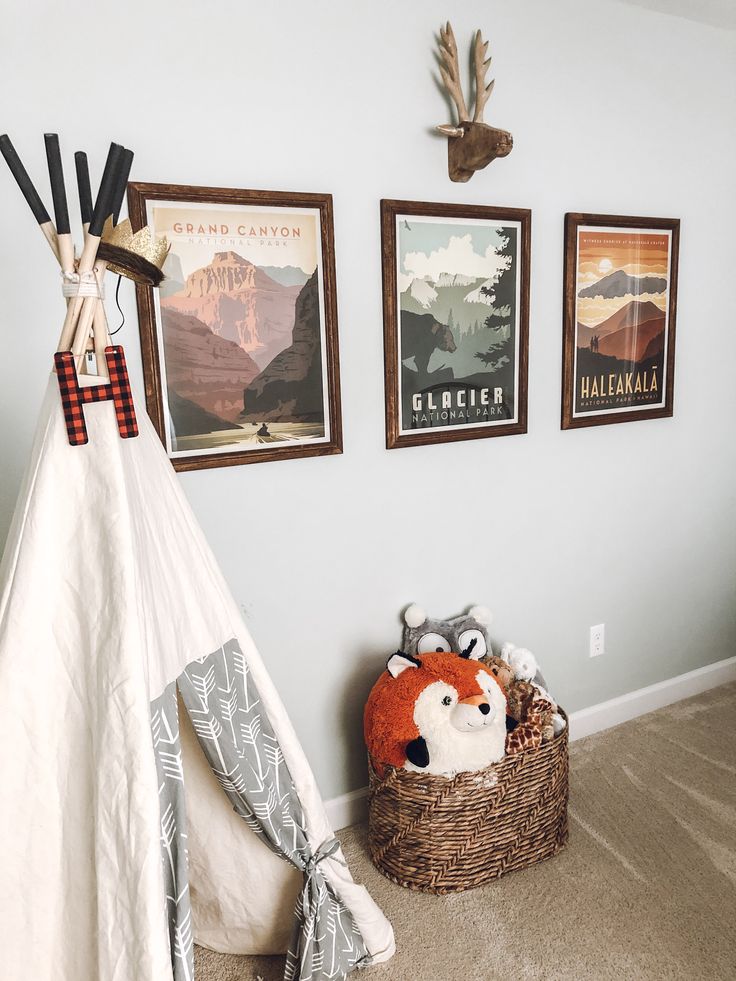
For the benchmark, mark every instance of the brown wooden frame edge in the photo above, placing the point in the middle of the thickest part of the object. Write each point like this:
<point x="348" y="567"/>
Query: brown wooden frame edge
<point x="389" y="209"/>
<point x="573" y="220"/>
<point x="138" y="194"/>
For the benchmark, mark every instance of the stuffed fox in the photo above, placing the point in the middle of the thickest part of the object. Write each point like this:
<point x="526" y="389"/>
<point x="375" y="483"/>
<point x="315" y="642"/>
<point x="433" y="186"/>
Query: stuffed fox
<point x="439" y="713"/>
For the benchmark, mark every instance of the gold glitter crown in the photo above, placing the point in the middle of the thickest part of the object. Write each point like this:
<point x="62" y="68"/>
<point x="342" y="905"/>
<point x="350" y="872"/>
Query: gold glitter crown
<point x="138" y="255"/>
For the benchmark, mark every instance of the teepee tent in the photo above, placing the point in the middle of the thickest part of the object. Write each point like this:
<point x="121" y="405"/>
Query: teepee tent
<point x="152" y="790"/>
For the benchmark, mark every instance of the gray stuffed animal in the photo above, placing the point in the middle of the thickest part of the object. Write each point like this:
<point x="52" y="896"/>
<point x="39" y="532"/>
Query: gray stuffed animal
<point x="423" y="635"/>
<point x="467" y="634"/>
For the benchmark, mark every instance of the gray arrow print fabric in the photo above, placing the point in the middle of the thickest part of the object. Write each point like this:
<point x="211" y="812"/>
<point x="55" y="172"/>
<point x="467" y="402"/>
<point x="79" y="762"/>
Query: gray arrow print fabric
<point x="167" y="750"/>
<point x="243" y="751"/>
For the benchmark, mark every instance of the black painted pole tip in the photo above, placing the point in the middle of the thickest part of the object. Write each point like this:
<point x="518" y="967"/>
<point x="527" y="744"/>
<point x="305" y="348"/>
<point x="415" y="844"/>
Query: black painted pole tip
<point x="84" y="187"/>
<point x="23" y="181"/>
<point x="121" y="176"/>
<point x="103" y="204"/>
<point x="56" y="177"/>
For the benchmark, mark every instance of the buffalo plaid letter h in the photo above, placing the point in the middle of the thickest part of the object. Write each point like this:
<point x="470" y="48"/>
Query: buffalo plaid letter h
<point x="74" y="396"/>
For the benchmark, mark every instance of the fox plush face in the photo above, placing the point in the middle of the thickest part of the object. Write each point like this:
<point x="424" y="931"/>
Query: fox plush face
<point x="438" y="712"/>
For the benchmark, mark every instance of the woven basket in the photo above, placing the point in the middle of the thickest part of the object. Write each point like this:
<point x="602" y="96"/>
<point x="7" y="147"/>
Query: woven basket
<point x="438" y="834"/>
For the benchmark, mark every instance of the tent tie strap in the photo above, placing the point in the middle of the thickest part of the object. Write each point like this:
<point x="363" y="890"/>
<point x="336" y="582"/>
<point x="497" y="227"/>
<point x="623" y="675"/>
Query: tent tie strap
<point x="326" y="850"/>
<point x="82" y="284"/>
<point x="310" y="896"/>
<point x="309" y="945"/>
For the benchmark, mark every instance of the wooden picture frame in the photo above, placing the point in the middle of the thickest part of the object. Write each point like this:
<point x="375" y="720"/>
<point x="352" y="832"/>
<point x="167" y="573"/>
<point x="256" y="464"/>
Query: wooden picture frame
<point x="246" y="339"/>
<point x="464" y="316"/>
<point x="618" y="360"/>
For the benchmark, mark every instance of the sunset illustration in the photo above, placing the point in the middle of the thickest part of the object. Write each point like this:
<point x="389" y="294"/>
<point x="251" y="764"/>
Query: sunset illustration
<point x="621" y="311"/>
<point x="602" y="253"/>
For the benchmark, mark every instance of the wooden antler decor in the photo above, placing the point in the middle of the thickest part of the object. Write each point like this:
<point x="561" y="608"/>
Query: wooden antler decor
<point x="471" y="144"/>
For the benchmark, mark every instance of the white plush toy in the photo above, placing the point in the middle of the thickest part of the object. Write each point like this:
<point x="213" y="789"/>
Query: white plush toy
<point x="525" y="667"/>
<point x="522" y="662"/>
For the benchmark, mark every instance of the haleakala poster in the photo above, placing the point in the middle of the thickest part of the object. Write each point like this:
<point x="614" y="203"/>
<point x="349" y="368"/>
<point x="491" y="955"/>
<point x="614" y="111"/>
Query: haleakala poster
<point x="622" y="299"/>
<point x="458" y="298"/>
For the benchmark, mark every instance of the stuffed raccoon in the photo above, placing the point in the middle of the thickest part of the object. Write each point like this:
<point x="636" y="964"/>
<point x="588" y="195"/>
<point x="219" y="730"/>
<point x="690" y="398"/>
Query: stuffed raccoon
<point x="423" y="635"/>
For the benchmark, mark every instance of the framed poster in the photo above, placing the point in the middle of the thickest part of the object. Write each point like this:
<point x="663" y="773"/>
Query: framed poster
<point x="619" y="319"/>
<point x="456" y="317"/>
<point x="239" y="343"/>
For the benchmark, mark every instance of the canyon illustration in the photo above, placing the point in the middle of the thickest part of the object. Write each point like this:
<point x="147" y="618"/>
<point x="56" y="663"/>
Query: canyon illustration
<point x="242" y="338"/>
<point x="621" y="319"/>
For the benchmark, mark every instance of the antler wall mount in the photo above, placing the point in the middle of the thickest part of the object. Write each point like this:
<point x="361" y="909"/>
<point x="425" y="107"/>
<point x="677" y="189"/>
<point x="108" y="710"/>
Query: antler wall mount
<point x="471" y="144"/>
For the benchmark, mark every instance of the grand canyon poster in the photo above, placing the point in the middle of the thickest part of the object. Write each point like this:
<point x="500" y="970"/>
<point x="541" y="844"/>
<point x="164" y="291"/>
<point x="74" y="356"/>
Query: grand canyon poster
<point x="621" y="322"/>
<point x="240" y="327"/>
<point x="457" y="324"/>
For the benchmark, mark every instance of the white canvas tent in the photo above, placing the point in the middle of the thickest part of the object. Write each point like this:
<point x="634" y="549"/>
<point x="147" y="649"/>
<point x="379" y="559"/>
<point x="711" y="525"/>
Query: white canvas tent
<point x="132" y="818"/>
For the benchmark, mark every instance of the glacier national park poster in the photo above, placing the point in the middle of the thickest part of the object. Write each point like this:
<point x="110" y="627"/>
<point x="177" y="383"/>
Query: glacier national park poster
<point x="455" y="319"/>
<point x="621" y="284"/>
<point x="245" y="333"/>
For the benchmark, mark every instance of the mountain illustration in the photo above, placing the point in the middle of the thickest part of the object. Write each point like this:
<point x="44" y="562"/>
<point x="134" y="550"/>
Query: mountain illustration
<point x="423" y="292"/>
<point x="173" y="276"/>
<point x="454" y="279"/>
<point x="241" y="303"/>
<point x="478" y="296"/>
<point x="203" y="369"/>
<point x="289" y="389"/>
<point x="620" y="283"/>
<point x="635" y="342"/>
<point x="633" y="333"/>
<point x="458" y="294"/>
<point x="190" y="419"/>
<point x="286" y="275"/>
<point x="632" y="313"/>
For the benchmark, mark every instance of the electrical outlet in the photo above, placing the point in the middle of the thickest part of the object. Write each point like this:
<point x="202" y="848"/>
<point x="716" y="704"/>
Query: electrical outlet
<point x="598" y="640"/>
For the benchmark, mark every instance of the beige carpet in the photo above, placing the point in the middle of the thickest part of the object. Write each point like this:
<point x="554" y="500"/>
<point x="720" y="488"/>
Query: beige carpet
<point x="644" y="891"/>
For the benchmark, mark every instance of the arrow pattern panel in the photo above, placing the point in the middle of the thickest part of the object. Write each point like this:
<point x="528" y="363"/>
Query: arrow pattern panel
<point x="174" y="855"/>
<point x="243" y="750"/>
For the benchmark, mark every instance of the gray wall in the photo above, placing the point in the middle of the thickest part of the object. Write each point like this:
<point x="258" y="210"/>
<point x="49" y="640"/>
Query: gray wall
<point x="614" y="109"/>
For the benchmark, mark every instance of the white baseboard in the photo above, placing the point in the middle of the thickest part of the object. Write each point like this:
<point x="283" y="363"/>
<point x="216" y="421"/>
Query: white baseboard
<point x="630" y="706"/>
<point x="351" y="808"/>
<point x="347" y="809"/>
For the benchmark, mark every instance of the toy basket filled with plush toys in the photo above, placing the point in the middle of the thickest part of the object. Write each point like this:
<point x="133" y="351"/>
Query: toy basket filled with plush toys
<point x="467" y="758"/>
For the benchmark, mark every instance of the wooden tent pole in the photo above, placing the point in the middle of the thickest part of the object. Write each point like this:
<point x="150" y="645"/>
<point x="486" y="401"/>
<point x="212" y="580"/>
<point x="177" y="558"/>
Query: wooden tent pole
<point x="102" y="208"/>
<point x="92" y="315"/>
<point x="30" y="193"/>
<point x="109" y="200"/>
<point x="65" y="243"/>
<point x="86" y="207"/>
<point x="102" y="339"/>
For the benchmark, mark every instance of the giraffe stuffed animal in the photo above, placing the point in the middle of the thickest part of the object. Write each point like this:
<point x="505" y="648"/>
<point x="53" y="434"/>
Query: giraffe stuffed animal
<point x="530" y="702"/>
<point x="533" y="714"/>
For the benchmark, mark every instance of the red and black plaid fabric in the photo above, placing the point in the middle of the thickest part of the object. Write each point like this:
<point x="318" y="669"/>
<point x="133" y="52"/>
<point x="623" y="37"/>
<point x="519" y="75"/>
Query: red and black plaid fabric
<point x="74" y="396"/>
